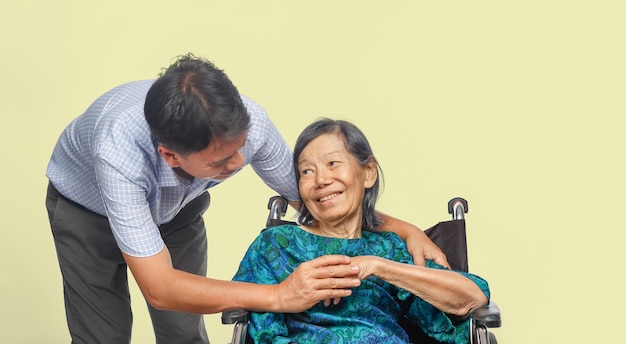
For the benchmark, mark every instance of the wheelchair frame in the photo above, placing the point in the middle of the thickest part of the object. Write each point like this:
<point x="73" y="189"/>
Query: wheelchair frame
<point x="483" y="318"/>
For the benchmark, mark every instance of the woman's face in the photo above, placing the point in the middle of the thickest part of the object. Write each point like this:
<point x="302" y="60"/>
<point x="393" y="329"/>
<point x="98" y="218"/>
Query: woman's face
<point x="332" y="182"/>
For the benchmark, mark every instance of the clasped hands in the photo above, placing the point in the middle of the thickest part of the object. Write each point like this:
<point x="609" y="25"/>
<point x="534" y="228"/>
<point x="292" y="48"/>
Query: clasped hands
<point x="327" y="279"/>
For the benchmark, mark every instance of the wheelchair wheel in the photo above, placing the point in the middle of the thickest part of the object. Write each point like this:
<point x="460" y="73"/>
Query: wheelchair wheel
<point x="492" y="338"/>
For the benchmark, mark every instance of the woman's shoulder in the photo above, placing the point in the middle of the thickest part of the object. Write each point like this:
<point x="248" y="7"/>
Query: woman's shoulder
<point x="286" y="227"/>
<point x="283" y="232"/>
<point x="390" y="237"/>
<point x="387" y="244"/>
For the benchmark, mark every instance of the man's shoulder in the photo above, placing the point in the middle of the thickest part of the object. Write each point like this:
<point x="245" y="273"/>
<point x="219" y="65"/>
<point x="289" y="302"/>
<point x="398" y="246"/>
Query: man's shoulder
<point x="255" y="110"/>
<point x="135" y="85"/>
<point x="133" y="91"/>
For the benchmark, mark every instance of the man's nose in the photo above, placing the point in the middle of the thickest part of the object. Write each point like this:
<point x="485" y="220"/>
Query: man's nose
<point x="235" y="162"/>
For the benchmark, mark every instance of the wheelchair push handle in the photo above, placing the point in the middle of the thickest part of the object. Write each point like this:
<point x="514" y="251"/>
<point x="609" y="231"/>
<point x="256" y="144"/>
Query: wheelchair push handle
<point x="458" y="208"/>
<point x="277" y="206"/>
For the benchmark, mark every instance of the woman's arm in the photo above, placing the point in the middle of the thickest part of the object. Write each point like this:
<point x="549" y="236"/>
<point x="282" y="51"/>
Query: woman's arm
<point x="446" y="290"/>
<point x="418" y="244"/>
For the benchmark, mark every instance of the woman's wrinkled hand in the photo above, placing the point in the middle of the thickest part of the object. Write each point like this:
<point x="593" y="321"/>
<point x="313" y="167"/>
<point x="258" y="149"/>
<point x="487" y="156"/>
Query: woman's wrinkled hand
<point x="367" y="265"/>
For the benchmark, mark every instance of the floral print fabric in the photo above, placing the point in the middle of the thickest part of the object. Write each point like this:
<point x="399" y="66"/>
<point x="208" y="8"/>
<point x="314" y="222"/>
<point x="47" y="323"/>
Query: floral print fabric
<point x="369" y="315"/>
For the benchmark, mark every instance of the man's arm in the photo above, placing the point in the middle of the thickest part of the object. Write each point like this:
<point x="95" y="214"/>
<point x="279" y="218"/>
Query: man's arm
<point x="167" y="288"/>
<point x="418" y="243"/>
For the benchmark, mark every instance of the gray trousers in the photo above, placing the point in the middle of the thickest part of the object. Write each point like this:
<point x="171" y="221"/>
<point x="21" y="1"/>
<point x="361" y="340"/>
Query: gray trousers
<point x="95" y="282"/>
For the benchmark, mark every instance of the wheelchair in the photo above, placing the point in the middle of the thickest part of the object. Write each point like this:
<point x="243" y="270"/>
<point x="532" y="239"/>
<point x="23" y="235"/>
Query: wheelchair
<point x="449" y="236"/>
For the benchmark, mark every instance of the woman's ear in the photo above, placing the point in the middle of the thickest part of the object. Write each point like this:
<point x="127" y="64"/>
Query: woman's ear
<point x="171" y="157"/>
<point x="371" y="173"/>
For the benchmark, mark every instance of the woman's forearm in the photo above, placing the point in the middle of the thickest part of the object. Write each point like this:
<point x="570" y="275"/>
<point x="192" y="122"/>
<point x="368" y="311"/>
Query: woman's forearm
<point x="446" y="290"/>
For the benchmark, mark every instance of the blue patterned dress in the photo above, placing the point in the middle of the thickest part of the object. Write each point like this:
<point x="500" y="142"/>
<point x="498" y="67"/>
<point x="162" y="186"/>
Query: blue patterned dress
<point x="369" y="315"/>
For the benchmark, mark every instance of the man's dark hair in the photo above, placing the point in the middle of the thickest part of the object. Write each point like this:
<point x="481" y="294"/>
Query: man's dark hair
<point x="358" y="146"/>
<point x="191" y="103"/>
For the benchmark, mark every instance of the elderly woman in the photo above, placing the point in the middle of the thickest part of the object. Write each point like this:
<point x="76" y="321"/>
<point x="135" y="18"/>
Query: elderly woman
<point x="339" y="179"/>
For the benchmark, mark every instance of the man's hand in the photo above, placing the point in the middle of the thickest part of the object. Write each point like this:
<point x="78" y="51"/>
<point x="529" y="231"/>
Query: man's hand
<point x="322" y="279"/>
<point x="421" y="248"/>
<point x="417" y="242"/>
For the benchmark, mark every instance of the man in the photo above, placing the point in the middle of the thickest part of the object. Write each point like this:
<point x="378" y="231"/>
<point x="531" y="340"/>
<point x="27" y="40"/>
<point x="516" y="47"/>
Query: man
<point x="128" y="187"/>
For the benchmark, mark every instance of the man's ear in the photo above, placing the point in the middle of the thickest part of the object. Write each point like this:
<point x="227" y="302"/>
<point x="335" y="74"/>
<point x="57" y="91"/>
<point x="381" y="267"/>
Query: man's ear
<point x="171" y="157"/>
<point x="371" y="173"/>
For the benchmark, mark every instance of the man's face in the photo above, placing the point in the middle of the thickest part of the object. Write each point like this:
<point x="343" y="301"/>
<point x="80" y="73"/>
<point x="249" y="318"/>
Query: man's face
<point x="218" y="161"/>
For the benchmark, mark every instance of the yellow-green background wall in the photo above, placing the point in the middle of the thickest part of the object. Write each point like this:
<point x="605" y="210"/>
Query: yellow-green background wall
<point x="516" y="106"/>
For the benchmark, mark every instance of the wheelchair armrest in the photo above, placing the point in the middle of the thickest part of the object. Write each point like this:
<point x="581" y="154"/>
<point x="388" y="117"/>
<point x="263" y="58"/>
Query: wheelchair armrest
<point x="488" y="316"/>
<point x="233" y="316"/>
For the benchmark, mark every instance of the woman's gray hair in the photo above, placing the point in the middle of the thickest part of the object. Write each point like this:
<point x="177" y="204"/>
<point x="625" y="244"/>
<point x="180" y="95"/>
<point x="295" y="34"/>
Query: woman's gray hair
<point x="356" y="144"/>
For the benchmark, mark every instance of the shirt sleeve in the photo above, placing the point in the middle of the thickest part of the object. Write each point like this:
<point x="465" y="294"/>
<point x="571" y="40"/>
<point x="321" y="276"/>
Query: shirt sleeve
<point x="128" y="212"/>
<point x="268" y="153"/>
<point x="256" y="268"/>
